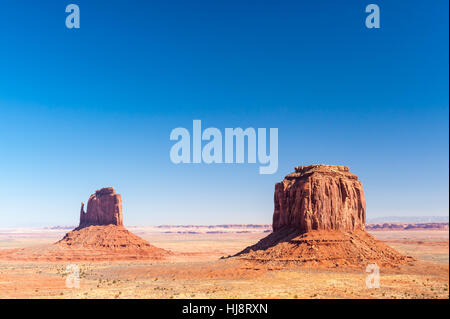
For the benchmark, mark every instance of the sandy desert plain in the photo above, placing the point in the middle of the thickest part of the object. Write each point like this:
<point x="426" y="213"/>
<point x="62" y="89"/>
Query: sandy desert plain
<point x="196" y="270"/>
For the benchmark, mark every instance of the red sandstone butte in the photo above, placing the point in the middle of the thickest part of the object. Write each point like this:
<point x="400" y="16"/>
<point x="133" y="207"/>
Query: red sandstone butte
<point x="100" y="236"/>
<point x="104" y="208"/>
<point x="319" y="219"/>
<point x="320" y="197"/>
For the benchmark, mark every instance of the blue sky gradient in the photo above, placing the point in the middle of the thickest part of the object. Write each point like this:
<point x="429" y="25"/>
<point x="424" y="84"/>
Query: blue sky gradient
<point x="94" y="107"/>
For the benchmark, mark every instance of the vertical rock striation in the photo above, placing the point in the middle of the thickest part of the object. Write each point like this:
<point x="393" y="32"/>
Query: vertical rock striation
<point x="319" y="197"/>
<point x="104" y="208"/>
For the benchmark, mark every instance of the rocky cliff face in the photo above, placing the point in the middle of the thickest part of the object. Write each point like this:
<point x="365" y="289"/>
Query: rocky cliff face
<point x="104" y="208"/>
<point x="319" y="219"/>
<point x="319" y="197"/>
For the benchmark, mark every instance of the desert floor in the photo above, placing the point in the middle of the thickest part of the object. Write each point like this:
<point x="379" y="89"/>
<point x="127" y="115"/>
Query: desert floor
<point x="196" y="270"/>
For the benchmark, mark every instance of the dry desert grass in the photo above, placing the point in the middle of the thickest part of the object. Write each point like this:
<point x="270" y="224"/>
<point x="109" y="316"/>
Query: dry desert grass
<point x="195" y="270"/>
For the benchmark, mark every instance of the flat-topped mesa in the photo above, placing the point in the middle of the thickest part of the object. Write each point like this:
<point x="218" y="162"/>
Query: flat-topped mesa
<point x="319" y="220"/>
<point x="319" y="197"/>
<point x="104" y="208"/>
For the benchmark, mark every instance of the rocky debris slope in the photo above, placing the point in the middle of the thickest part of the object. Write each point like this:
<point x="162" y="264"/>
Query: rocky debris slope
<point x="324" y="248"/>
<point x="319" y="219"/>
<point x="108" y="243"/>
<point x="91" y="244"/>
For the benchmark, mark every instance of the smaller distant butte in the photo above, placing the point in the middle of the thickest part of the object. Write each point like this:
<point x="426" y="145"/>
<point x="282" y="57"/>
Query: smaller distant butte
<point x="100" y="236"/>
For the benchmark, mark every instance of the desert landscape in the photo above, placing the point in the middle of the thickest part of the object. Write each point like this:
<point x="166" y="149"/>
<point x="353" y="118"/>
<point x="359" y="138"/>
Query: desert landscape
<point x="224" y="158"/>
<point x="317" y="247"/>
<point x="196" y="270"/>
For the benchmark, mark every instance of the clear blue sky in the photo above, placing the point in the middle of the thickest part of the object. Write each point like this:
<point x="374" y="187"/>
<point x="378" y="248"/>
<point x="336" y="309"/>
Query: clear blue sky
<point x="82" y="109"/>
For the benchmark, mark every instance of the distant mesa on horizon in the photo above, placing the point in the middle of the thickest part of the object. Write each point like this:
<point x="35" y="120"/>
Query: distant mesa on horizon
<point x="407" y="226"/>
<point x="407" y="219"/>
<point x="231" y="228"/>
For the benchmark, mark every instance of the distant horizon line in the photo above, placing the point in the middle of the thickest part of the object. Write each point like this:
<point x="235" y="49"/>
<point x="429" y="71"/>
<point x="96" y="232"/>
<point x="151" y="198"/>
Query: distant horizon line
<point x="385" y="219"/>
